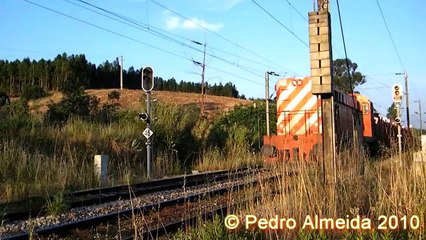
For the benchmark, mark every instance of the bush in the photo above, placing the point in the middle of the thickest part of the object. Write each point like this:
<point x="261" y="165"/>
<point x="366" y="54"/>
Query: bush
<point x="114" y="95"/>
<point x="4" y="99"/>
<point x="17" y="109"/>
<point x="15" y="118"/>
<point x="75" y="104"/>
<point x="33" y="92"/>
<point x="241" y="127"/>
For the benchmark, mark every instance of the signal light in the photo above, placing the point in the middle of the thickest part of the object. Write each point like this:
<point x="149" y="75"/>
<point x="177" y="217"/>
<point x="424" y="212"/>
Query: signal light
<point x="396" y="93"/>
<point x="398" y="120"/>
<point x="147" y="79"/>
<point x="144" y="117"/>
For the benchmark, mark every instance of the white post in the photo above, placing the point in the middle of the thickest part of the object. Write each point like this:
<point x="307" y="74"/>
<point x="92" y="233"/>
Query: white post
<point x="267" y="102"/>
<point x="121" y="73"/>
<point x="101" y="166"/>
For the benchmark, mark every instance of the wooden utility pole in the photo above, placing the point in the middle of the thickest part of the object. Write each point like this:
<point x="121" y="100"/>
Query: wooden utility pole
<point x="322" y="86"/>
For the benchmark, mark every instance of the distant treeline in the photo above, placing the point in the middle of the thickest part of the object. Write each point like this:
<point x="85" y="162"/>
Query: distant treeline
<point x="75" y="70"/>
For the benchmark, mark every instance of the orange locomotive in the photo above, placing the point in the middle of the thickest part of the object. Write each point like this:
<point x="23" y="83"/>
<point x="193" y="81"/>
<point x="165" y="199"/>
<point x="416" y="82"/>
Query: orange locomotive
<point x="299" y="125"/>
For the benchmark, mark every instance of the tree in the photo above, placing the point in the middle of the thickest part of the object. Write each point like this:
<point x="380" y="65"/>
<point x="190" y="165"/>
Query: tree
<point x="391" y="112"/>
<point x="341" y="78"/>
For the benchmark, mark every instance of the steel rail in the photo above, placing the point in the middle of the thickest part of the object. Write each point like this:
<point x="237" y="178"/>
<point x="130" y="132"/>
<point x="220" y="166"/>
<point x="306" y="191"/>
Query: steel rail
<point x="108" y="194"/>
<point x="89" y="222"/>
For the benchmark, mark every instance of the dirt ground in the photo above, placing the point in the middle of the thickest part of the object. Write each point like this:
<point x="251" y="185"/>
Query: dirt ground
<point x="131" y="99"/>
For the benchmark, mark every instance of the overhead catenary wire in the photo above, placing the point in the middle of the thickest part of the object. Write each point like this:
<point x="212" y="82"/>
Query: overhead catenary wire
<point x="344" y="47"/>
<point x="222" y="37"/>
<point x="104" y="29"/>
<point x="280" y="23"/>
<point x="390" y="35"/>
<point x="297" y="10"/>
<point x="132" y="39"/>
<point x="145" y="28"/>
<point x="393" y="42"/>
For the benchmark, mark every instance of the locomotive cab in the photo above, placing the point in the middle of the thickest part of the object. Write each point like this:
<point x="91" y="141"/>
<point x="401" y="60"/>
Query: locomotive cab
<point x="298" y="122"/>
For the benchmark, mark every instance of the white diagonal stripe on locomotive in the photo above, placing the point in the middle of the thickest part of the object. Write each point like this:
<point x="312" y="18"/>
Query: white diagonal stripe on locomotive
<point x="310" y="107"/>
<point x="291" y="104"/>
<point x="284" y="93"/>
<point x="312" y="119"/>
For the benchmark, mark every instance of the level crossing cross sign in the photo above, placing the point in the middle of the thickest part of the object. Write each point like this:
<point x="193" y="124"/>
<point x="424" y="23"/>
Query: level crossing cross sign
<point x="147" y="133"/>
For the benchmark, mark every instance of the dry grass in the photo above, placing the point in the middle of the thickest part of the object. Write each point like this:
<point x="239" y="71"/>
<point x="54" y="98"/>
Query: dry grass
<point x="130" y="99"/>
<point x="215" y="159"/>
<point x="364" y="188"/>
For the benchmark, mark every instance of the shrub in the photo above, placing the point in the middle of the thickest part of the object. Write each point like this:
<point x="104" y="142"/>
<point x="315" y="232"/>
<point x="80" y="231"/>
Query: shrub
<point x="75" y="104"/>
<point x="17" y="109"/>
<point x="33" y="92"/>
<point x="114" y="95"/>
<point x="4" y="99"/>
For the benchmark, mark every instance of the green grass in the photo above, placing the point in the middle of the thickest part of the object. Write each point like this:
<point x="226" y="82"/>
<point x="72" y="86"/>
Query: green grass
<point x="39" y="158"/>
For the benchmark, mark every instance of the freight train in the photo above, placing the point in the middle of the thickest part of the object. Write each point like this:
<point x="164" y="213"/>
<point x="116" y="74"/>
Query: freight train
<point x="299" y="127"/>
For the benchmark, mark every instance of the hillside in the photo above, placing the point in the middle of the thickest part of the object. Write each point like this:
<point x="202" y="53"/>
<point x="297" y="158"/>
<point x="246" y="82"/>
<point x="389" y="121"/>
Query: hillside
<point x="130" y="99"/>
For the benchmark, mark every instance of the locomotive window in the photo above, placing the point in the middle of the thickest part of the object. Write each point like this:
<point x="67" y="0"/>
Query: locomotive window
<point x="365" y="108"/>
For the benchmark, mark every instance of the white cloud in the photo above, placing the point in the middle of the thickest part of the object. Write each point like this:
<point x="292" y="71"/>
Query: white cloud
<point x="214" y="5"/>
<point x="173" y="22"/>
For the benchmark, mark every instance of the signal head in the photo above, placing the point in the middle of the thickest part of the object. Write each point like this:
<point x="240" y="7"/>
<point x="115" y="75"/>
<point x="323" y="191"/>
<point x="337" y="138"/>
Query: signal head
<point x="147" y="79"/>
<point x="397" y="93"/>
<point x="398" y="120"/>
<point x="144" y="117"/>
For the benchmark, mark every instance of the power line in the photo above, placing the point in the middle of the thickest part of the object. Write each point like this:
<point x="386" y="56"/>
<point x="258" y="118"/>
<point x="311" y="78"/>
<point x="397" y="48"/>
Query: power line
<point x="240" y="57"/>
<point x="344" y="47"/>
<point x="390" y="36"/>
<point x="382" y="83"/>
<point x="280" y="23"/>
<point x="221" y="37"/>
<point x="104" y="29"/>
<point x="300" y="14"/>
<point x="146" y="28"/>
<point x="130" y="38"/>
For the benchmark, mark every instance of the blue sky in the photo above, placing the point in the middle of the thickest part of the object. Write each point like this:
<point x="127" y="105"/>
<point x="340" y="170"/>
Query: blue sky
<point x="242" y="42"/>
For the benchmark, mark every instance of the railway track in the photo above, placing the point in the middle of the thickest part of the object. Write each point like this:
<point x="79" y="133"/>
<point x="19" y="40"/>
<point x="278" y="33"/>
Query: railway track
<point x="174" y="191"/>
<point x="35" y="207"/>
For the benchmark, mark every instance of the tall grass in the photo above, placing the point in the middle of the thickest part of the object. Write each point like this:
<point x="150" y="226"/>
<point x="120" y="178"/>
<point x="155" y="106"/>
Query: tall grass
<point x="38" y="159"/>
<point x="363" y="187"/>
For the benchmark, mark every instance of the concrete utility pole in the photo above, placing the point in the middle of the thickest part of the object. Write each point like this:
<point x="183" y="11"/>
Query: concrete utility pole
<point x="203" y="72"/>
<point x="268" y="131"/>
<point x="121" y="72"/>
<point x="323" y="86"/>
<point x="406" y="97"/>
<point x="202" y="81"/>
<point x="420" y="114"/>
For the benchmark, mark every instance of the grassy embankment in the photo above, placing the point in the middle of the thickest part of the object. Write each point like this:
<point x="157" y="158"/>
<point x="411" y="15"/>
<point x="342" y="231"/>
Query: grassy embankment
<point x="374" y="190"/>
<point x="49" y="153"/>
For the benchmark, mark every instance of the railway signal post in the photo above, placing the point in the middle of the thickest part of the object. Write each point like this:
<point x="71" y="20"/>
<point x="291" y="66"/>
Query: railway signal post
<point x="322" y="86"/>
<point x="397" y="98"/>
<point x="147" y="86"/>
